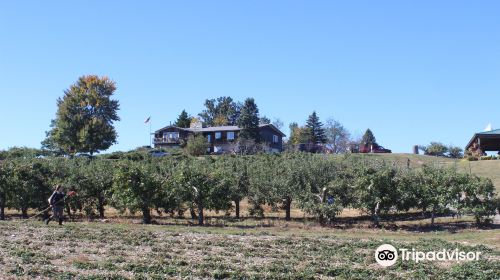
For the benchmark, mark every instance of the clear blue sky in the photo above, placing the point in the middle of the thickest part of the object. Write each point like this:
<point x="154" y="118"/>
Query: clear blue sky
<point x="412" y="71"/>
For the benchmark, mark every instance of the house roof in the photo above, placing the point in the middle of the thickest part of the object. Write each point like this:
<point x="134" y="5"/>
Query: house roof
<point x="493" y="137"/>
<point x="491" y="132"/>
<point x="220" y="128"/>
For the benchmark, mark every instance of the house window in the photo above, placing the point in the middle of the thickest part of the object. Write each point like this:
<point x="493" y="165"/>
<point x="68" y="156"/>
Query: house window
<point x="209" y="138"/>
<point x="173" y="135"/>
<point x="230" y="136"/>
<point x="275" y="139"/>
<point x="218" y="135"/>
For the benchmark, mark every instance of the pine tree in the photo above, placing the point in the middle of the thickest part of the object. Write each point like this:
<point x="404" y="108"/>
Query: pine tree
<point x="318" y="134"/>
<point x="184" y="120"/>
<point x="368" y="139"/>
<point x="249" y="121"/>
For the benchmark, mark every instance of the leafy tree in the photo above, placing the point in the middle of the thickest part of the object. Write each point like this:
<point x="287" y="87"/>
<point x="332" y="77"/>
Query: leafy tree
<point x="479" y="199"/>
<point x="326" y="191"/>
<point x="22" y="153"/>
<point x="220" y="111"/>
<point x="199" y="183"/>
<point x="264" y="120"/>
<point x="281" y="184"/>
<point x="139" y="186"/>
<point x="85" y="117"/>
<point x="368" y="139"/>
<point x="5" y="187"/>
<point x="184" y="120"/>
<point x="299" y="135"/>
<point x="196" y="145"/>
<point x="455" y="152"/>
<point x="318" y="134"/>
<point x="436" y="149"/>
<point x="278" y="123"/>
<point x="337" y="136"/>
<point x="234" y="173"/>
<point x="376" y="190"/>
<point x="31" y="185"/>
<point x="93" y="181"/>
<point x="249" y="121"/>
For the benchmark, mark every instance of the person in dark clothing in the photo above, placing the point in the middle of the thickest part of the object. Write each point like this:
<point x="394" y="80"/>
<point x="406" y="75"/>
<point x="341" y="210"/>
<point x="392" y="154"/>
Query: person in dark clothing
<point x="56" y="200"/>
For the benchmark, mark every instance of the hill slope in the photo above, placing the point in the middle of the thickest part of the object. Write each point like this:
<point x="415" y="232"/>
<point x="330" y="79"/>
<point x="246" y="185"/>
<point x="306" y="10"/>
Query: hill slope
<point x="486" y="168"/>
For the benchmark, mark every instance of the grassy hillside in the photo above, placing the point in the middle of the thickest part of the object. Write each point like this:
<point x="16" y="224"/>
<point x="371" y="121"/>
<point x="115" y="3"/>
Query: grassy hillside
<point x="486" y="168"/>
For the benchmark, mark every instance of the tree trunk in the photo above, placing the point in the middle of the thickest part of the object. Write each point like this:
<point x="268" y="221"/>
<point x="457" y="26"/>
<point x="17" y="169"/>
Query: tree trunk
<point x="101" y="207"/>
<point x="24" y="212"/>
<point x="2" y="207"/>
<point x="432" y="216"/>
<point x="146" y="215"/>
<point x="68" y="210"/>
<point x="237" y="203"/>
<point x="193" y="213"/>
<point x="200" y="213"/>
<point x="288" y="206"/>
<point x="376" y="211"/>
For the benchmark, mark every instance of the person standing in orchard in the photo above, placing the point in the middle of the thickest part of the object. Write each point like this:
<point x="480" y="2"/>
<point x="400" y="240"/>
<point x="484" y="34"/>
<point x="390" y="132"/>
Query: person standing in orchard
<point x="56" y="201"/>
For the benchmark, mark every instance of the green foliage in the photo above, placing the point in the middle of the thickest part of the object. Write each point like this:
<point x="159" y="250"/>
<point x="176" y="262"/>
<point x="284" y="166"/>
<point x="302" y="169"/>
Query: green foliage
<point x="220" y="111"/>
<point x="264" y="120"/>
<point x="318" y="134"/>
<point x="196" y="145"/>
<point x="319" y="185"/>
<point x="455" y="152"/>
<point x="368" y="139"/>
<point x="93" y="181"/>
<point x="248" y="121"/>
<point x="30" y="185"/>
<point x="337" y="136"/>
<point x="199" y="182"/>
<point x="436" y="149"/>
<point x="140" y="186"/>
<point x="85" y="117"/>
<point x="21" y="153"/>
<point x="299" y="135"/>
<point x="184" y="120"/>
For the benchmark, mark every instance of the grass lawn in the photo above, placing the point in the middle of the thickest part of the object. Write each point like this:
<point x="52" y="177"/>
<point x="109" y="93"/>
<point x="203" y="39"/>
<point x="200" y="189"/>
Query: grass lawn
<point x="484" y="168"/>
<point x="29" y="249"/>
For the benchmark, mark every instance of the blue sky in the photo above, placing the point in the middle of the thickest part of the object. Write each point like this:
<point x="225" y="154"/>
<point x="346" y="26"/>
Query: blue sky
<point x="412" y="71"/>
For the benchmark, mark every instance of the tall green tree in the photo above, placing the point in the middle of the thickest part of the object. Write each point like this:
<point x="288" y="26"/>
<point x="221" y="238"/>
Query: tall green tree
<point x="85" y="117"/>
<point x="184" y="120"/>
<point x="318" y="134"/>
<point x="221" y="111"/>
<point x="368" y="138"/>
<point x="249" y="121"/>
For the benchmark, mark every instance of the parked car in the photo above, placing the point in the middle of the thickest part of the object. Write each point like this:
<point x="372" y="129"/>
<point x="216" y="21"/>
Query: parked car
<point x="155" y="153"/>
<point x="373" y="149"/>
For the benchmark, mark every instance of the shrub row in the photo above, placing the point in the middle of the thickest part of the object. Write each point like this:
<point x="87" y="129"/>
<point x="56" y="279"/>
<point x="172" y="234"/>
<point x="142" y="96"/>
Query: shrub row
<point x="321" y="186"/>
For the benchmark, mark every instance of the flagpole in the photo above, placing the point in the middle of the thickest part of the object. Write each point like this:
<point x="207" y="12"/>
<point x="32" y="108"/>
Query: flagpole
<point x="150" y="139"/>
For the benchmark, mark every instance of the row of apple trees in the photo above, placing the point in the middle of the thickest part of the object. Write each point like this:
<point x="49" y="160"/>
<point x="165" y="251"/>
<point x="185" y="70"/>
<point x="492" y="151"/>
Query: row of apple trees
<point x="321" y="186"/>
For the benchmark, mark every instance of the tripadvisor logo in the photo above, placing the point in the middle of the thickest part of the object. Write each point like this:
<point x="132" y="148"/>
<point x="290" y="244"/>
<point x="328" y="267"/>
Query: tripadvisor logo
<point x="387" y="255"/>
